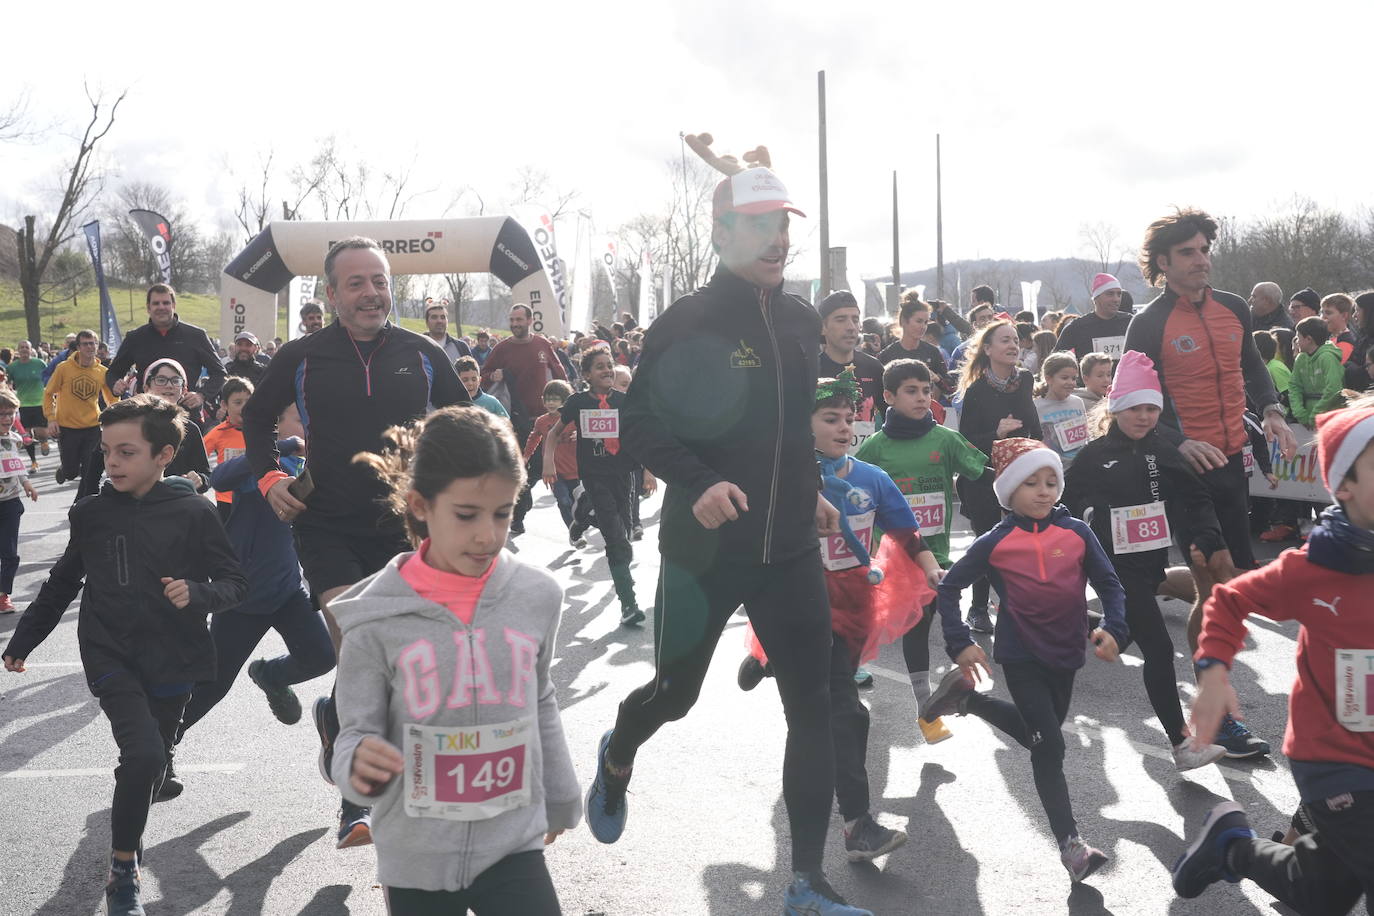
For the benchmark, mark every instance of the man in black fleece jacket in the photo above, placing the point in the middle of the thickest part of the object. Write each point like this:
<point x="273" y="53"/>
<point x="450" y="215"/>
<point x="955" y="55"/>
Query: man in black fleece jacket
<point x="720" y="409"/>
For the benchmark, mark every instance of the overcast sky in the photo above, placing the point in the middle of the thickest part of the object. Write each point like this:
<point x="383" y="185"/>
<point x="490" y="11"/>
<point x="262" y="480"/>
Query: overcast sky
<point x="1091" y="112"/>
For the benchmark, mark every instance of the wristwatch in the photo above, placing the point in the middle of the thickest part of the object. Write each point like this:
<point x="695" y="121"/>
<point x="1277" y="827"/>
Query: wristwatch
<point x="1206" y="662"/>
<point x="1276" y="408"/>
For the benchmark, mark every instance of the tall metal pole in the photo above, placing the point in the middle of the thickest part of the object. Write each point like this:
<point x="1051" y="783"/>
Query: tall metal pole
<point x="939" y="228"/>
<point x="825" y="190"/>
<point x="896" y="258"/>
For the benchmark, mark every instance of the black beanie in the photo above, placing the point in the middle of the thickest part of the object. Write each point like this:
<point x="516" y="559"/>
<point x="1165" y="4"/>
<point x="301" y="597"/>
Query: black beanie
<point x="1308" y="297"/>
<point x="840" y="299"/>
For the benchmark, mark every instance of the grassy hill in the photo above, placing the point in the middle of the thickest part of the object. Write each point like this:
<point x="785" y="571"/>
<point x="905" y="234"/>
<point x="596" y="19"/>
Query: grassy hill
<point x="62" y="318"/>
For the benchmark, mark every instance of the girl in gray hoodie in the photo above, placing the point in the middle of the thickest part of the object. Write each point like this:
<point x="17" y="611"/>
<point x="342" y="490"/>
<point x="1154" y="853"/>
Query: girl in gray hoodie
<point x="450" y="727"/>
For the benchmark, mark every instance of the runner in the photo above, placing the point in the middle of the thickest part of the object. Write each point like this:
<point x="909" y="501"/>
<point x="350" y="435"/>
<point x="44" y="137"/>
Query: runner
<point x="1198" y="340"/>
<point x="71" y="402"/>
<point x="166" y="336"/>
<point x="1103" y="330"/>
<point x="1133" y="481"/>
<point x="915" y="319"/>
<point x="997" y="402"/>
<point x="1041" y="632"/>
<point x="448" y="842"/>
<point x="26" y="374"/>
<point x="436" y="325"/>
<point x="1063" y="416"/>
<point x="14" y="486"/>
<point x="839" y="351"/>
<point x="741" y="514"/>
<point x="351" y="381"/>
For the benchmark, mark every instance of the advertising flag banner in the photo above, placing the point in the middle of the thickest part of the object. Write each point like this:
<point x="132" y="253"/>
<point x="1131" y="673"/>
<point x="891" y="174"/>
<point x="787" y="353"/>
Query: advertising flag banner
<point x="608" y="250"/>
<point x="159" y="232"/>
<point x="109" y="324"/>
<point x="539" y="224"/>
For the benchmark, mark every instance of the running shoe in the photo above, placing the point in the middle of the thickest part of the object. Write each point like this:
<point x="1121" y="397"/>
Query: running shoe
<point x="979" y="620"/>
<point x="810" y="894"/>
<point x="1186" y="758"/>
<point x="43" y="447"/>
<point x="631" y="616"/>
<point x="33" y="469"/>
<point x="1204" y="862"/>
<point x="6" y="605"/>
<point x="57" y="475"/>
<point x="171" y="785"/>
<point x="1080" y="859"/>
<point x="1238" y="740"/>
<point x="283" y="702"/>
<point x="869" y="839"/>
<point x="637" y="533"/>
<point x="751" y="673"/>
<point x="935" y="731"/>
<point x="575" y="538"/>
<point x="517" y="529"/>
<point x="606" y="806"/>
<point x="950" y="696"/>
<point x="863" y="677"/>
<point x="123" y="894"/>
<point x="1279" y="533"/>
<point x="355" y="826"/>
<point x="320" y="713"/>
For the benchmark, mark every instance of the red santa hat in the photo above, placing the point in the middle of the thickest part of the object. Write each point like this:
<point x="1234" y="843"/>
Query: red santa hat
<point x="1136" y="382"/>
<point x="1341" y="438"/>
<point x="1016" y="459"/>
<point x="1104" y="283"/>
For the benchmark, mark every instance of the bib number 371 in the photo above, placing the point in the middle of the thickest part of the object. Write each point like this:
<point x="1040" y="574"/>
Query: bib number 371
<point x="467" y="774"/>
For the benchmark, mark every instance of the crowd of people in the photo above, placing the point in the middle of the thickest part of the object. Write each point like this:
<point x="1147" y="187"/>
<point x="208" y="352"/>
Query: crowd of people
<point x="366" y="480"/>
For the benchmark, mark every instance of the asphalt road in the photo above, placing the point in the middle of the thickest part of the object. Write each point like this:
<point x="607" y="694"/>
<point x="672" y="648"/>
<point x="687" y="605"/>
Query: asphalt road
<point x="253" y="833"/>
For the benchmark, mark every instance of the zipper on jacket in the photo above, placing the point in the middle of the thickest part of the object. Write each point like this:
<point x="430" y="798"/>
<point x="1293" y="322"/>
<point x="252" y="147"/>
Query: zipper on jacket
<point x="472" y="685"/>
<point x="367" y="363"/>
<point x="1039" y="551"/>
<point x="764" y="301"/>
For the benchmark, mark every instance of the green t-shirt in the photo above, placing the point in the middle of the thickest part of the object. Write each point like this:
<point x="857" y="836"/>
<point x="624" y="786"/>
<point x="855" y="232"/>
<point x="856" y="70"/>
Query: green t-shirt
<point x="926" y="466"/>
<point x="1280" y="373"/>
<point x="27" y="378"/>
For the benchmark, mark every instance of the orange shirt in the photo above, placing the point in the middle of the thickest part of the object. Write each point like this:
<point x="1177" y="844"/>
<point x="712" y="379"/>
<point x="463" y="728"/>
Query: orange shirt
<point x="225" y="442"/>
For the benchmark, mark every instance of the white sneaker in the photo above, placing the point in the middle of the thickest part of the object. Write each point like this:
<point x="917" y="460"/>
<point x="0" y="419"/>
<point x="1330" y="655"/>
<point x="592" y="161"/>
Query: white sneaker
<point x="1186" y="758"/>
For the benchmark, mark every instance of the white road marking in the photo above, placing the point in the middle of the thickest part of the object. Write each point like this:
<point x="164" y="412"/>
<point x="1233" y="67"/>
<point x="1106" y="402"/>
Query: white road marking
<point x="108" y="771"/>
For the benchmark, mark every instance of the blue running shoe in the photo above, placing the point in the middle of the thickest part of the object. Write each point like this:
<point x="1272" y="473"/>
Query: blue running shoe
<point x="810" y="894"/>
<point x="1204" y="862"/>
<point x="123" y="894"/>
<point x="1238" y="740"/>
<point x="606" y="807"/>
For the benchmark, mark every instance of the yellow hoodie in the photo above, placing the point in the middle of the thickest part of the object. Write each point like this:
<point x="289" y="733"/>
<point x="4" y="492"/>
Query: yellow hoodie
<point x="76" y="391"/>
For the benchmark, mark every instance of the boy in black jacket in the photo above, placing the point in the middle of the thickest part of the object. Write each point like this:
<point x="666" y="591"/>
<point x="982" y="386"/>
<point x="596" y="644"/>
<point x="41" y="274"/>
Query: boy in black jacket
<point x="155" y="560"/>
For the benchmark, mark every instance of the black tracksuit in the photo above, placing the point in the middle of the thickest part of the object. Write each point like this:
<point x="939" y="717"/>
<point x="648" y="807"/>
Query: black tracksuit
<point x="1112" y="472"/>
<point x="185" y="343"/>
<point x="724" y="392"/>
<point x="141" y="653"/>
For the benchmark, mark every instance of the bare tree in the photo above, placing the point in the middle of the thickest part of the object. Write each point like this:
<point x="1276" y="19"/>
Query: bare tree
<point x="83" y="182"/>
<point x="14" y="118"/>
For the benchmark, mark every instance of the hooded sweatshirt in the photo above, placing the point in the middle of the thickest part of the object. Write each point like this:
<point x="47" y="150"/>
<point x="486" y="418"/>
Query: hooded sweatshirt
<point x="413" y="673"/>
<point x="78" y="390"/>
<point x="1316" y="382"/>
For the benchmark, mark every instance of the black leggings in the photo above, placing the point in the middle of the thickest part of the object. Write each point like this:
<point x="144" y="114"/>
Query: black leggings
<point x="916" y="643"/>
<point x="1151" y="635"/>
<point x="1322" y="872"/>
<point x="518" y="885"/>
<point x="237" y="634"/>
<point x="788" y="605"/>
<point x="1040" y="703"/>
<point x="849" y="731"/>
<point x="76" y="447"/>
<point x="610" y="501"/>
<point x="144" y="726"/>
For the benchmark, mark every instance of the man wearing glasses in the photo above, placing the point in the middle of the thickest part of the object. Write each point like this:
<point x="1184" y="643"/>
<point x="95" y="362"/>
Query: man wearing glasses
<point x="72" y="402"/>
<point x="165" y="336"/>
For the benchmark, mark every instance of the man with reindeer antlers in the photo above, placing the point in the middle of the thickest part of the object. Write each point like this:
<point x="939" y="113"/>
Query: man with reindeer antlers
<point x="720" y="409"/>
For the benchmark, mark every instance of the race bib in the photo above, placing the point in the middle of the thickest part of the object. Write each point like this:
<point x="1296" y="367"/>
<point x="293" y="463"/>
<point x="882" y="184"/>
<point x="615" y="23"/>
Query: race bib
<point x="1355" y="689"/>
<point x="1072" y="434"/>
<point x="929" y="509"/>
<point x="467" y="774"/>
<point x="1112" y="346"/>
<point x="1136" y="529"/>
<point x="835" y="553"/>
<point x="10" y="466"/>
<point x="599" y="424"/>
<point x="1247" y="460"/>
<point x="862" y="430"/>
<point x="231" y="453"/>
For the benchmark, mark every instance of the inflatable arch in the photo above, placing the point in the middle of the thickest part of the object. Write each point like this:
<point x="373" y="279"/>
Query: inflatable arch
<point x="284" y="250"/>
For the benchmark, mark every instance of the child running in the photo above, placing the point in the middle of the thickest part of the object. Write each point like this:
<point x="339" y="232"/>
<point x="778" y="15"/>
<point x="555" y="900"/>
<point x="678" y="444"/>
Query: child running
<point x="276" y="600"/>
<point x="14" y="485"/>
<point x="1063" y="415"/>
<point x="225" y="441"/>
<point x="1133" y="480"/>
<point x="863" y="618"/>
<point x="1325" y="586"/>
<point x="556" y="394"/>
<point x="921" y="457"/>
<point x="154" y="560"/>
<point x="1040" y="559"/>
<point x="450" y="726"/>
<point x="1095" y="374"/>
<point x="603" y="467"/>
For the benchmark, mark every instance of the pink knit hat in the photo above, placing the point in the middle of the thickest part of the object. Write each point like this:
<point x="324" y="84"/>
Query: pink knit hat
<point x="1136" y="382"/>
<point x="1341" y="437"/>
<point x="1104" y="283"/>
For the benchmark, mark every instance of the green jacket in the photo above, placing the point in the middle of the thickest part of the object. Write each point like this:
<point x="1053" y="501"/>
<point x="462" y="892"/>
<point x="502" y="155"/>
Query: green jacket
<point x="1316" y="383"/>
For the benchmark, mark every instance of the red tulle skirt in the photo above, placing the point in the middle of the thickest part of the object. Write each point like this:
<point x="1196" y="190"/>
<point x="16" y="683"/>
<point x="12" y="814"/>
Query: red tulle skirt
<point x="866" y="616"/>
